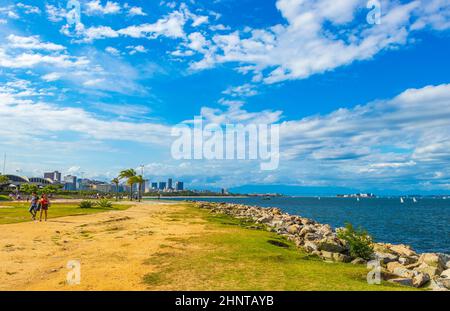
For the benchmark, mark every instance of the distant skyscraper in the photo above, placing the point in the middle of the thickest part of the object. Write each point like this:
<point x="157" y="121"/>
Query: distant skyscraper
<point x="169" y="183"/>
<point x="55" y="176"/>
<point x="179" y="186"/>
<point x="70" y="183"/>
<point x="162" y="185"/>
<point x="154" y="185"/>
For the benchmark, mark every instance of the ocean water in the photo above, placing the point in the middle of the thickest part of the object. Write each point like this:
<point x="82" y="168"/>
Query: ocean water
<point x="424" y="225"/>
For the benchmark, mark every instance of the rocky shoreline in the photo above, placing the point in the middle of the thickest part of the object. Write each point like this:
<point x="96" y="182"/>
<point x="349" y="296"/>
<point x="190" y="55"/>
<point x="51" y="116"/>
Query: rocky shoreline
<point x="397" y="263"/>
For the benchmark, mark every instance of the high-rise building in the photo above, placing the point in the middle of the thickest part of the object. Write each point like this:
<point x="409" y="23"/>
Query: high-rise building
<point x="179" y="186"/>
<point x="154" y="186"/>
<point x="55" y="176"/>
<point x="70" y="183"/>
<point x="162" y="185"/>
<point x="169" y="183"/>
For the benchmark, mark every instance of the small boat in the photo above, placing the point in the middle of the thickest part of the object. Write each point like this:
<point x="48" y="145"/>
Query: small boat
<point x="319" y="198"/>
<point x="357" y="199"/>
<point x="414" y="200"/>
<point x="402" y="201"/>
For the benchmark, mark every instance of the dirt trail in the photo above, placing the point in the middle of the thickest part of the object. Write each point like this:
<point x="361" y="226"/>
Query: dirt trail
<point x="112" y="248"/>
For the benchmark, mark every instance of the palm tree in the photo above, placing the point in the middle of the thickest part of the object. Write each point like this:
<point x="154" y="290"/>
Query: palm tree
<point x="116" y="182"/>
<point x="129" y="174"/>
<point x="140" y="181"/>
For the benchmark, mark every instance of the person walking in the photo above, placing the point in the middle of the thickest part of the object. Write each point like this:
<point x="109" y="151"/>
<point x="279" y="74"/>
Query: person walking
<point x="34" y="205"/>
<point x="44" y="204"/>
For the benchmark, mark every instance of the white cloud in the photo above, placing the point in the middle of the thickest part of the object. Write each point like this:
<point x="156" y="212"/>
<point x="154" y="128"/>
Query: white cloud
<point x="245" y="90"/>
<point x="112" y="51"/>
<point x="96" y="7"/>
<point x="136" y="11"/>
<point x="50" y="77"/>
<point x="136" y="49"/>
<point x="32" y="43"/>
<point x="200" y="20"/>
<point x="29" y="60"/>
<point x="318" y="37"/>
<point x="55" y="14"/>
<point x="28" y="9"/>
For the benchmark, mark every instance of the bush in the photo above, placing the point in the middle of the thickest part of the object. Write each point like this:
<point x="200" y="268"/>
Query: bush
<point x="359" y="241"/>
<point x="86" y="204"/>
<point x="104" y="203"/>
<point x="4" y="198"/>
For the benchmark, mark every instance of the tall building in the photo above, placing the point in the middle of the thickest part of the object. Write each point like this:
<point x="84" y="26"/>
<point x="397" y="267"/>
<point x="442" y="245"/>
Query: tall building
<point x="154" y="186"/>
<point x="169" y="184"/>
<point x="179" y="186"/>
<point x="55" y="176"/>
<point x="70" y="183"/>
<point x="162" y="185"/>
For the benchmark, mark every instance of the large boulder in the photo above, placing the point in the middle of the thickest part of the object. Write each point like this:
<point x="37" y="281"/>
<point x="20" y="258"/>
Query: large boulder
<point x="312" y="237"/>
<point x="359" y="261"/>
<point x="420" y="279"/>
<point x="293" y="229"/>
<point x="399" y="270"/>
<point x="310" y="246"/>
<point x="385" y="258"/>
<point x="403" y="250"/>
<point x="434" y="260"/>
<point x="445" y="274"/>
<point x="433" y="272"/>
<point x="338" y="257"/>
<point x="331" y="245"/>
<point x="307" y="229"/>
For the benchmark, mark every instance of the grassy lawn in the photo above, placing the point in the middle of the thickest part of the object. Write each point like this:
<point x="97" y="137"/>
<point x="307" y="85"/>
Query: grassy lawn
<point x="235" y="256"/>
<point x="15" y="212"/>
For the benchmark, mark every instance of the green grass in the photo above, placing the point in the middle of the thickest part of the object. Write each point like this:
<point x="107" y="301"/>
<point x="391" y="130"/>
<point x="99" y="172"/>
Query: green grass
<point x="235" y="256"/>
<point x="15" y="212"/>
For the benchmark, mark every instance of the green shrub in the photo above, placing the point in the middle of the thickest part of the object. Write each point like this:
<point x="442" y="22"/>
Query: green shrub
<point x="359" y="241"/>
<point x="86" y="204"/>
<point x="104" y="203"/>
<point x="4" y="198"/>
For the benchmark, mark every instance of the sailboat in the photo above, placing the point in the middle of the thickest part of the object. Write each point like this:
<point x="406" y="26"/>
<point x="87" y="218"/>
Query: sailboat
<point x="414" y="200"/>
<point x="401" y="200"/>
<point x="357" y="199"/>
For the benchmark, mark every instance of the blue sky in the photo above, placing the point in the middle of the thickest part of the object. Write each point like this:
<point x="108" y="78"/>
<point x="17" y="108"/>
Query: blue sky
<point x="361" y="106"/>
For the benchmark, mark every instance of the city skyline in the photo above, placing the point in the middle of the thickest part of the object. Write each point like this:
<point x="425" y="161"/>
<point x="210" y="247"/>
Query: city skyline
<point x="365" y="109"/>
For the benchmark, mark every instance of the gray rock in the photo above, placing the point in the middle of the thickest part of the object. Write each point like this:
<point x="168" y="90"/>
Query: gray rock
<point x="420" y="279"/>
<point x="445" y="274"/>
<point x="359" y="261"/>
<point x="310" y="247"/>
<point x="385" y="257"/>
<point x="293" y="229"/>
<point x="331" y="245"/>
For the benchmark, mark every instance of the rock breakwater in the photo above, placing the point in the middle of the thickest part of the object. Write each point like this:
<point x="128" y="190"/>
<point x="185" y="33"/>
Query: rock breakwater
<point x="399" y="263"/>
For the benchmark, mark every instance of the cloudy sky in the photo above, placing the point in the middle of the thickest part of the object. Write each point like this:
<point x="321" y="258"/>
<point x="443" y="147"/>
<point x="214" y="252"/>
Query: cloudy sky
<point x="361" y="105"/>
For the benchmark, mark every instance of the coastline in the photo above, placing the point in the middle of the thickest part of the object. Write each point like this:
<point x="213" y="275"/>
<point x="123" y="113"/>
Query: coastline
<point x="399" y="263"/>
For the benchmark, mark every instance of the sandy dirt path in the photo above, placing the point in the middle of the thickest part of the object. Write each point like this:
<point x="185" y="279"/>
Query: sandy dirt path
<point x="112" y="248"/>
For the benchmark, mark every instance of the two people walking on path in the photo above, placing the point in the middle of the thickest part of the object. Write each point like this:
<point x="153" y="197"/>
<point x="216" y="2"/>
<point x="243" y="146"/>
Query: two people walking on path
<point x="39" y="204"/>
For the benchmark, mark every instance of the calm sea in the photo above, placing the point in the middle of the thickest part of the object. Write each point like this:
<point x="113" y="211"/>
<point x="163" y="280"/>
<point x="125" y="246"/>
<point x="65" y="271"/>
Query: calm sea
<point x="424" y="225"/>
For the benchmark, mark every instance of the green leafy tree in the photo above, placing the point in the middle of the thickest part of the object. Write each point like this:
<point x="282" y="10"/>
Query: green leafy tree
<point x="4" y="180"/>
<point x="116" y="182"/>
<point x="129" y="174"/>
<point x="359" y="241"/>
<point x="29" y="188"/>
